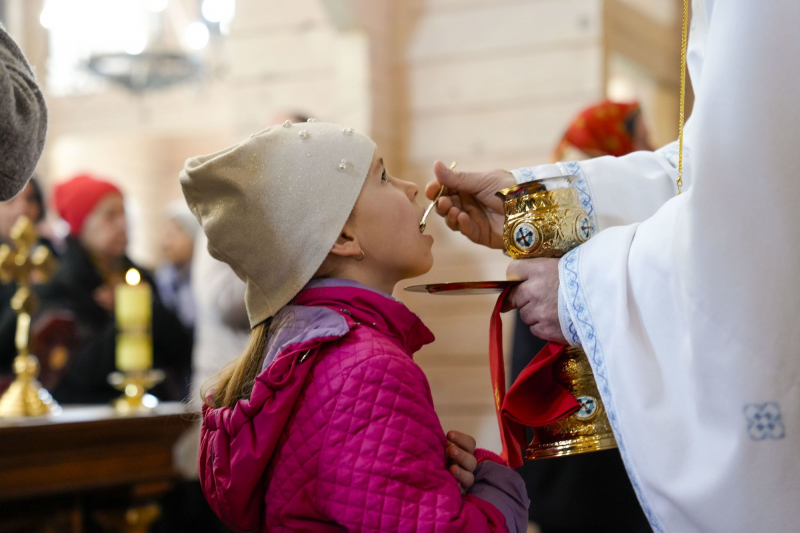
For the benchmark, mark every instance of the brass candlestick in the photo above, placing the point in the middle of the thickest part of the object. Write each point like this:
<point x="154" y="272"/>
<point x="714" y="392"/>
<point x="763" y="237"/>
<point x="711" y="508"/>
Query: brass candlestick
<point x="542" y="223"/>
<point x="134" y="385"/>
<point x="22" y="263"/>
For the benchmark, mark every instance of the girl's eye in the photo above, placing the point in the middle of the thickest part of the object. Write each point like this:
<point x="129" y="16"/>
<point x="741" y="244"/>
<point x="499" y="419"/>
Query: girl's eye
<point x="383" y="177"/>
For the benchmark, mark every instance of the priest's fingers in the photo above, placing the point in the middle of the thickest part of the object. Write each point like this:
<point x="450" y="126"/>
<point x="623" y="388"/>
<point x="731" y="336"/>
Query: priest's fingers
<point x="451" y="219"/>
<point x="464" y="478"/>
<point x="468" y="227"/>
<point x="458" y="181"/>
<point x="462" y="440"/>
<point x="432" y="189"/>
<point x="519" y="269"/>
<point x="443" y="205"/>
<point x="528" y="314"/>
<point x="539" y="285"/>
<point x="549" y="331"/>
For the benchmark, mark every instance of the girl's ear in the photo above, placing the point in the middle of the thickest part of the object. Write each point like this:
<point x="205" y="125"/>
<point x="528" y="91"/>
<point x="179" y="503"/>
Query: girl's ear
<point x="347" y="245"/>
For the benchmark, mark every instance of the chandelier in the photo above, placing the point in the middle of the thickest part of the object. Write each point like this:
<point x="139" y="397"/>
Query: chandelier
<point x="140" y="45"/>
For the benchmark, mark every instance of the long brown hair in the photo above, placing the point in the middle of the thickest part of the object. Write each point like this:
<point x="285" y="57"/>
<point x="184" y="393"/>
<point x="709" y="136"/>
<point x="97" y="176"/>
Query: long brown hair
<point x="235" y="381"/>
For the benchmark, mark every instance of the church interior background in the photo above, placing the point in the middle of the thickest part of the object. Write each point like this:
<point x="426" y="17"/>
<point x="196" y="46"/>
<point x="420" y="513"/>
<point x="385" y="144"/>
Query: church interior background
<point x="487" y="83"/>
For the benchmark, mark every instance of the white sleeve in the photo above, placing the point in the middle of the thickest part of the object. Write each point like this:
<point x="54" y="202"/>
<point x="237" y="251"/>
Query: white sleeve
<point x="617" y="191"/>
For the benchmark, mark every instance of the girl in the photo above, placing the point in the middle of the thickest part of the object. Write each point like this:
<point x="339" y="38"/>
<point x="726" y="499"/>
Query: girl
<point x="325" y="423"/>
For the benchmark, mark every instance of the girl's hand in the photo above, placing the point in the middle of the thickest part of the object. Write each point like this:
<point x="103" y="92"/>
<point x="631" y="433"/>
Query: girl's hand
<point x="461" y="459"/>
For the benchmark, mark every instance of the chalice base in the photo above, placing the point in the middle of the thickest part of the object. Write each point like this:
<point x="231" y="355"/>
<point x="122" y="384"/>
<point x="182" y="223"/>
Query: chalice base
<point x="587" y="430"/>
<point x="134" y="385"/>
<point x="548" y="450"/>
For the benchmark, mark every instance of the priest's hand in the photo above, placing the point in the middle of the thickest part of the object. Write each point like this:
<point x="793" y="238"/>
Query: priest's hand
<point x="469" y="204"/>
<point x="461" y="459"/>
<point x="536" y="297"/>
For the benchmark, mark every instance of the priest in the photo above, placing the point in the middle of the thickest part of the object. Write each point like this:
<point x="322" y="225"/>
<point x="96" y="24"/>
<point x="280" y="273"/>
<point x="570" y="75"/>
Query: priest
<point x="687" y="305"/>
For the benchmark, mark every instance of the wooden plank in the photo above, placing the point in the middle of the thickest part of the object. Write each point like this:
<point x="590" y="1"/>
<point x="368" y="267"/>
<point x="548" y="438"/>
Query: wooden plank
<point x="653" y="45"/>
<point x="468" y="386"/>
<point x="510" y="79"/>
<point x="268" y="55"/>
<point x="533" y="129"/>
<point x="254" y="104"/>
<point x="504" y="26"/>
<point x="185" y="109"/>
<point x="259" y="16"/>
<point x="482" y="427"/>
<point x="664" y="12"/>
<point x="462" y="340"/>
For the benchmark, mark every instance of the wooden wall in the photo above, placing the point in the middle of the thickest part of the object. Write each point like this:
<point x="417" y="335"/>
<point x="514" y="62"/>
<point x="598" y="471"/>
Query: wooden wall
<point x="489" y="83"/>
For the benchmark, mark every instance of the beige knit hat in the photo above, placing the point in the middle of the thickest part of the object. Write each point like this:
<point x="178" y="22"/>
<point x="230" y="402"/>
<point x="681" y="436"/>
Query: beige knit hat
<point x="274" y="205"/>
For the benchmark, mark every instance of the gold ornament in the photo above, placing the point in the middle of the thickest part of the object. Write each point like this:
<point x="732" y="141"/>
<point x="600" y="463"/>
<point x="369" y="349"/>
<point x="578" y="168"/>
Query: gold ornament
<point x="23" y="263"/>
<point x="542" y="223"/>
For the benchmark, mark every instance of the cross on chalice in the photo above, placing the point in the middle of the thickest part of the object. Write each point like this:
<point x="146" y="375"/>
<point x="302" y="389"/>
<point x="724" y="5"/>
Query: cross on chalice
<point x="25" y="263"/>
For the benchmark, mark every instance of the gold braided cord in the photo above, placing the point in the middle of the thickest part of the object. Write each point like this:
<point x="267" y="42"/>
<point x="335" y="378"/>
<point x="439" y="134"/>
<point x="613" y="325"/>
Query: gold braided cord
<point x="684" y="41"/>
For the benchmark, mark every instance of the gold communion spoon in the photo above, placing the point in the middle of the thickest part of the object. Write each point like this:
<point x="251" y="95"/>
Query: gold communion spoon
<point x="422" y="223"/>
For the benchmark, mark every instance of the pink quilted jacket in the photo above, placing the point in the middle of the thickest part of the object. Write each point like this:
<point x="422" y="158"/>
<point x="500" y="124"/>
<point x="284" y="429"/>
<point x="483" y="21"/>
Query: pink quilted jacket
<point x="340" y="433"/>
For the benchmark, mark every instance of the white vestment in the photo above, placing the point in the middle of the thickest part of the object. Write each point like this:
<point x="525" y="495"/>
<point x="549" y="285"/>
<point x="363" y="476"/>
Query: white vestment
<point x="689" y="306"/>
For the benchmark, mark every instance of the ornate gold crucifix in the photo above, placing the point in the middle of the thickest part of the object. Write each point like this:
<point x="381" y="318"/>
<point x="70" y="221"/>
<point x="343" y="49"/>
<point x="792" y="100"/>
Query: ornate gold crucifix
<point x="25" y="263"/>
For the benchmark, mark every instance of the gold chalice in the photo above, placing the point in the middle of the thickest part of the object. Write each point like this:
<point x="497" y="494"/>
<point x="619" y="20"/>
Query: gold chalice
<point x="542" y="223"/>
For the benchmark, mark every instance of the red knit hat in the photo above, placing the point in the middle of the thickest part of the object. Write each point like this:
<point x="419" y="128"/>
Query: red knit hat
<point x="76" y="198"/>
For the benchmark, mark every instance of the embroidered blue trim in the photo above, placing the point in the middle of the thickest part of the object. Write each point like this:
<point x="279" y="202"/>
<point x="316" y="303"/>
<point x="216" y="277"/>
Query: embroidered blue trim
<point x="578" y="304"/>
<point x="524" y="175"/>
<point x="584" y="191"/>
<point x="764" y="421"/>
<point x="568" y="328"/>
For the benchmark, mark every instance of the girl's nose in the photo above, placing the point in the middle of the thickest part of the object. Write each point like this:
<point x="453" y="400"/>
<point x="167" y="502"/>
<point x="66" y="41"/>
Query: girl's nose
<point x="412" y="190"/>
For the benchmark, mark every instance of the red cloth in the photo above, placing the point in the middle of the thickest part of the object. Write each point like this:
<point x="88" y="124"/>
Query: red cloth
<point x="76" y="198"/>
<point x="600" y="130"/>
<point x="535" y="399"/>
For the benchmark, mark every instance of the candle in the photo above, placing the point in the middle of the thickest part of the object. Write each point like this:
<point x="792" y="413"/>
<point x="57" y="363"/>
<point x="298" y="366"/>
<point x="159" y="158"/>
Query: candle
<point x="133" y="309"/>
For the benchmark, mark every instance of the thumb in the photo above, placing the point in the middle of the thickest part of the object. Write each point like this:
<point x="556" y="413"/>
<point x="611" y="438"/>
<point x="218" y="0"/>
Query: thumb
<point x="457" y="181"/>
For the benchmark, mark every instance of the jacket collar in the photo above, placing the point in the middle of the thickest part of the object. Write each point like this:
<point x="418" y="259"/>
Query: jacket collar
<point x="370" y="308"/>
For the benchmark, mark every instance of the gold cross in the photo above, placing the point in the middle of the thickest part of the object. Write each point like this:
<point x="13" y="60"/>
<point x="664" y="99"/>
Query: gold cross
<point x="25" y="263"/>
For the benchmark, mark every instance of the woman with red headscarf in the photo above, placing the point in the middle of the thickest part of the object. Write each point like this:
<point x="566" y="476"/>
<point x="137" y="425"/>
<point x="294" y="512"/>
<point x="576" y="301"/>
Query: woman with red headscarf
<point x="93" y="263"/>
<point x="607" y="128"/>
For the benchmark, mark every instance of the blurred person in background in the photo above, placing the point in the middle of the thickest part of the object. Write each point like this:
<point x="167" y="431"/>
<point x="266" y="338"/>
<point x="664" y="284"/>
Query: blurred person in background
<point x="31" y="204"/>
<point x="174" y="276"/>
<point x="606" y="128"/>
<point x="83" y="286"/>
<point x="23" y="119"/>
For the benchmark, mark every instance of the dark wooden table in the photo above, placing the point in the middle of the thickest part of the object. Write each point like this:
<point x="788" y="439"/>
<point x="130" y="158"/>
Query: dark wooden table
<point x="56" y="470"/>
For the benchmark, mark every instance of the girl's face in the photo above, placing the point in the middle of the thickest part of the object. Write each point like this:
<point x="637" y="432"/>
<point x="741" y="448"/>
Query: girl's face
<point x="385" y="222"/>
